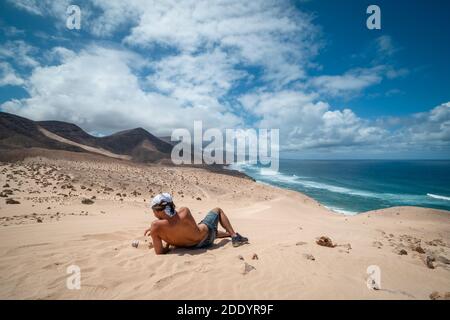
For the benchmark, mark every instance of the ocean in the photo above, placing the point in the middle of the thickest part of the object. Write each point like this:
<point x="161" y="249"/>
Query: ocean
<point x="353" y="186"/>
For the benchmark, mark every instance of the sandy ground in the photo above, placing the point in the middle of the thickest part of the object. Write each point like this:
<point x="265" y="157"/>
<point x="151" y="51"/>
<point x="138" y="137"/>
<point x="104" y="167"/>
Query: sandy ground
<point x="51" y="229"/>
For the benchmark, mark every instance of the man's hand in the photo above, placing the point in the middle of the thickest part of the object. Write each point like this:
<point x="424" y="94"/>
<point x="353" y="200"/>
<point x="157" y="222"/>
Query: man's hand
<point x="147" y="232"/>
<point x="166" y="248"/>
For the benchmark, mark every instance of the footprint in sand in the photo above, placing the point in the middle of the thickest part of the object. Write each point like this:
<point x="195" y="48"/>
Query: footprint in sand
<point x="163" y="282"/>
<point x="106" y="236"/>
<point x="207" y="263"/>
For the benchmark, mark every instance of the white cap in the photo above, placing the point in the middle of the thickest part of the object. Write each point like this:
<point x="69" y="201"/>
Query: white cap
<point x="164" y="198"/>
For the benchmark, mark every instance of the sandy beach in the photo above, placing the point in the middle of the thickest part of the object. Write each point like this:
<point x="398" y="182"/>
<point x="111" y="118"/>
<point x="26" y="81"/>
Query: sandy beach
<point x="50" y="229"/>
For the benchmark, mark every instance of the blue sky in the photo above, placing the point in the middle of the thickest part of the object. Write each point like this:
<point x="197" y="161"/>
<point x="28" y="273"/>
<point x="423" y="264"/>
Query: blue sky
<point x="419" y="32"/>
<point x="312" y="69"/>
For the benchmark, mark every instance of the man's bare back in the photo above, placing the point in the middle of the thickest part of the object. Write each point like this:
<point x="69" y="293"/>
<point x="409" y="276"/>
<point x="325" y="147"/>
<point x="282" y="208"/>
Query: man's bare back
<point x="181" y="230"/>
<point x="178" y="227"/>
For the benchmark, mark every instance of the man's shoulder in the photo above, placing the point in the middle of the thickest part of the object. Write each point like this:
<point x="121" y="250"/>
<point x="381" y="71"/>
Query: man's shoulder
<point x="183" y="211"/>
<point x="159" y="223"/>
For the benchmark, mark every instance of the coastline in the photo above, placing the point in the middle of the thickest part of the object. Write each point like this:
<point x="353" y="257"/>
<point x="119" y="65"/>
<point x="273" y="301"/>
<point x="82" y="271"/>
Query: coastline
<point x="282" y="225"/>
<point x="358" y="188"/>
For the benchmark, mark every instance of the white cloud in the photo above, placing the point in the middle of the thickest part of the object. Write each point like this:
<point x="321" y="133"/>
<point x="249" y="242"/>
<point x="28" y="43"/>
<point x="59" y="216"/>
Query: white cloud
<point x="8" y="76"/>
<point x="269" y="34"/>
<point x="355" y="80"/>
<point x="200" y="79"/>
<point x="385" y="45"/>
<point x="20" y="52"/>
<point x="43" y="7"/>
<point x="352" y="81"/>
<point x="32" y="6"/>
<point x="11" y="31"/>
<point x="305" y="122"/>
<point x="97" y="89"/>
<point x="432" y="127"/>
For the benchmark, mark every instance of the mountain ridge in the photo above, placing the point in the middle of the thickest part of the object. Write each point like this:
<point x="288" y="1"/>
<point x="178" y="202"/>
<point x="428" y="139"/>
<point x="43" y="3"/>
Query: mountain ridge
<point x="136" y="144"/>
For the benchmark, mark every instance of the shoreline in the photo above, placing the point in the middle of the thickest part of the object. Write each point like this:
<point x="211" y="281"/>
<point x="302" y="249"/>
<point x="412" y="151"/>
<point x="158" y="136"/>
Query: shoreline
<point x="347" y="212"/>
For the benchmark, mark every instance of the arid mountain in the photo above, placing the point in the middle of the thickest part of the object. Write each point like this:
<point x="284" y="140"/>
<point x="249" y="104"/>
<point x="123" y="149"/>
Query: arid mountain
<point x="127" y="141"/>
<point x="17" y="132"/>
<point x="69" y="131"/>
<point x="136" y="144"/>
<point x="168" y="139"/>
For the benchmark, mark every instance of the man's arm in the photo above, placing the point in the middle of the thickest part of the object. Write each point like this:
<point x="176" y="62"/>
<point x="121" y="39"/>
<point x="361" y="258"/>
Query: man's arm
<point x="158" y="245"/>
<point x="157" y="241"/>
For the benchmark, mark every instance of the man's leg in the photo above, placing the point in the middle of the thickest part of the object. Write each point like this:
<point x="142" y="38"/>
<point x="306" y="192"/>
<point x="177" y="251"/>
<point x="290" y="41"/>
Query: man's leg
<point x="225" y="223"/>
<point x="222" y="234"/>
<point x="236" y="238"/>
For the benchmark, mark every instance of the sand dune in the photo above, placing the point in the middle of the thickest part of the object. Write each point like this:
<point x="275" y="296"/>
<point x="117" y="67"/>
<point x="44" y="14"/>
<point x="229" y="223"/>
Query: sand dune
<point x="50" y="229"/>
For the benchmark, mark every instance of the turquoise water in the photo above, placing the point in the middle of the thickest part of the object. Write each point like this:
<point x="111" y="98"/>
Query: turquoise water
<point x="353" y="186"/>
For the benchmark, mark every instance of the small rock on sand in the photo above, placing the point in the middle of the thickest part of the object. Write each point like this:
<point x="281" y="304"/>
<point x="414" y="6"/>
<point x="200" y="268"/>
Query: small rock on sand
<point x="309" y="256"/>
<point x="435" y="295"/>
<point x="301" y="243"/>
<point x="240" y="257"/>
<point x="87" y="201"/>
<point x="419" y="249"/>
<point x="325" y="242"/>
<point x="12" y="201"/>
<point x="439" y="296"/>
<point x="347" y="246"/>
<point x="255" y="257"/>
<point x="247" y="268"/>
<point x="402" y="252"/>
<point x="429" y="262"/>
<point x="377" y="244"/>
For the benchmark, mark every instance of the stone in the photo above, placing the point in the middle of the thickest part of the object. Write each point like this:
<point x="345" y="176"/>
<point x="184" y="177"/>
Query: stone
<point x="309" y="256"/>
<point x="419" y="249"/>
<point x="325" y="242"/>
<point x="247" y="268"/>
<point x="87" y="201"/>
<point x="429" y="262"/>
<point x="435" y="295"/>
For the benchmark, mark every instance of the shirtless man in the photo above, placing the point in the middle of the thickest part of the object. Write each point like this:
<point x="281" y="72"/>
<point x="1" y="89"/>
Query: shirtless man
<point x="178" y="227"/>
